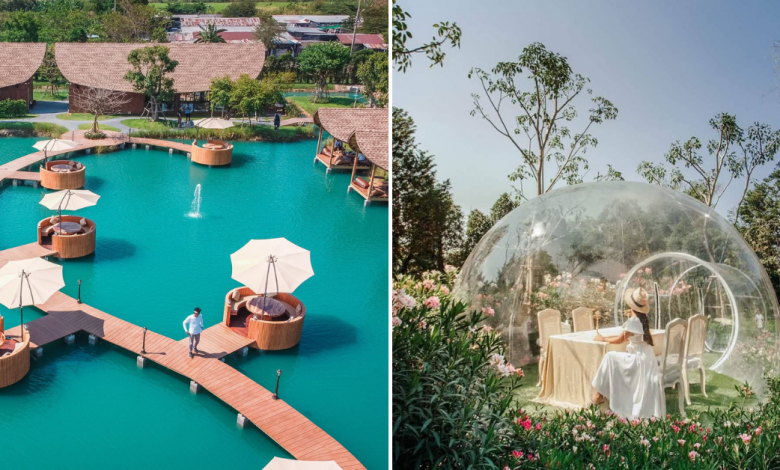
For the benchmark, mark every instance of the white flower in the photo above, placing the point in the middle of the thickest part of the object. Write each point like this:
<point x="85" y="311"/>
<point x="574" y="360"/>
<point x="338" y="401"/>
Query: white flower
<point x="645" y="442"/>
<point x="574" y="448"/>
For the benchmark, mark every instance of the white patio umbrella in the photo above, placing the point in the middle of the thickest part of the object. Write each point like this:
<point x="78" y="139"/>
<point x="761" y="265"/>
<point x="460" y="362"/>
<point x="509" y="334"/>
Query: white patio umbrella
<point x="252" y="265"/>
<point x="29" y="282"/>
<point x="69" y="200"/>
<point x="213" y="123"/>
<point x="278" y="463"/>
<point x="54" y="145"/>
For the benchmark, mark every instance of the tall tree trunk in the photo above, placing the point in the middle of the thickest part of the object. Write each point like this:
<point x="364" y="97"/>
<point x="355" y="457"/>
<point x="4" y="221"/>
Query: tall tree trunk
<point x="94" y="125"/>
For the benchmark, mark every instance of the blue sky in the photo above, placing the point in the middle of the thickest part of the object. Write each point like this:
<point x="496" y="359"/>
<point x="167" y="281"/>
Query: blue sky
<point x="669" y="67"/>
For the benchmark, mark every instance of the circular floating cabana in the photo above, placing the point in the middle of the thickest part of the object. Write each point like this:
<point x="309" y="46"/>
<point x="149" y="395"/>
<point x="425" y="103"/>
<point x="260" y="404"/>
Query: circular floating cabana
<point x="14" y="359"/>
<point x="269" y="333"/>
<point x="72" y="237"/>
<point x="63" y="174"/>
<point x="213" y="153"/>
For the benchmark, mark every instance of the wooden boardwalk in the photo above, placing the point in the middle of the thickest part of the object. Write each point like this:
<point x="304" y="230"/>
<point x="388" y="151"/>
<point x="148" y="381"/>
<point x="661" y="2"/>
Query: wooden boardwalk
<point x="218" y="341"/>
<point x="25" y="175"/>
<point x="282" y="423"/>
<point x="30" y="250"/>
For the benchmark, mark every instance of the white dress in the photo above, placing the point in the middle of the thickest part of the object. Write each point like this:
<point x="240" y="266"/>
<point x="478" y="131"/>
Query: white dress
<point x="629" y="380"/>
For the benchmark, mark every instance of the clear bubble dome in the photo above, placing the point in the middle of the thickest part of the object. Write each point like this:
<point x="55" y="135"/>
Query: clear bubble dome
<point x="584" y="245"/>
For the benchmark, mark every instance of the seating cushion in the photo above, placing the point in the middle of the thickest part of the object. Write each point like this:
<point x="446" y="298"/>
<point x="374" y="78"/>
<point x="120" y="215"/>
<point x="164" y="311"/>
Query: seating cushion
<point x="83" y="222"/>
<point x="54" y="219"/>
<point x="361" y="182"/>
<point x="236" y="295"/>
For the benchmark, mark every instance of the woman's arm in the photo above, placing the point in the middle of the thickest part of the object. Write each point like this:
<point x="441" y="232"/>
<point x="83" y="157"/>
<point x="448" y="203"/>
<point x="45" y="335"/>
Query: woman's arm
<point x="611" y="339"/>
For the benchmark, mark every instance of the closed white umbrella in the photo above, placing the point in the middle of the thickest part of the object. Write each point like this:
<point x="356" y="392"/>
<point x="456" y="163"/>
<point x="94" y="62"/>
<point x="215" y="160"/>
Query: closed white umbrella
<point x="279" y="463"/>
<point x="69" y="200"/>
<point x="213" y="123"/>
<point x="253" y="262"/>
<point x="54" y="145"/>
<point x="29" y="282"/>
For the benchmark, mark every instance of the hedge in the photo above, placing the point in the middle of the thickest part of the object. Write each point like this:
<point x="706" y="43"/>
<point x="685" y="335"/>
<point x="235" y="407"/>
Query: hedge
<point x="13" y="109"/>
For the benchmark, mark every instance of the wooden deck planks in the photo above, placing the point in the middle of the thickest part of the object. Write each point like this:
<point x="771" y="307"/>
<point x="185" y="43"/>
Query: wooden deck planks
<point x="30" y="250"/>
<point x="218" y="341"/>
<point x="24" y="175"/>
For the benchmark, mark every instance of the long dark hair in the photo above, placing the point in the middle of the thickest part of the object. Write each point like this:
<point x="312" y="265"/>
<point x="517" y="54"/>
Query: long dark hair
<point x="645" y="326"/>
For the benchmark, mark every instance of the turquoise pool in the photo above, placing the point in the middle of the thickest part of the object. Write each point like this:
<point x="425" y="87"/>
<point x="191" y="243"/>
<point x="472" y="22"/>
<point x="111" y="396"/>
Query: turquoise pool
<point x="92" y="407"/>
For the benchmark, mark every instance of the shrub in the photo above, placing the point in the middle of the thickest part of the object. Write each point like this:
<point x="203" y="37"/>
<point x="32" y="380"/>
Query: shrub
<point x="94" y="135"/>
<point x="260" y="133"/>
<point x="13" y="109"/>
<point x="187" y="8"/>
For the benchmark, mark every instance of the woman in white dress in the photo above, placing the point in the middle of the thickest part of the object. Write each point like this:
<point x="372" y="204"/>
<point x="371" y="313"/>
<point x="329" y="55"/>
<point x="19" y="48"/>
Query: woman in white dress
<point x="629" y="380"/>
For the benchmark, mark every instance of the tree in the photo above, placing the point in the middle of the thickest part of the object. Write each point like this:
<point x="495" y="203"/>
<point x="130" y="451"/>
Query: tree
<point x="544" y="113"/>
<point x="49" y="70"/>
<point x="149" y="75"/>
<point x="268" y="30"/>
<point x="135" y="23"/>
<point x="427" y="225"/>
<point x="249" y="96"/>
<point x="374" y="75"/>
<point x="211" y="34"/>
<point x="478" y="224"/>
<point x="355" y="60"/>
<point x="374" y="19"/>
<point x="734" y="154"/>
<point x="220" y="92"/>
<point x="20" y="26"/>
<point x="100" y="102"/>
<point x="323" y="61"/>
<point x="759" y="223"/>
<point x="402" y="55"/>
<point x="240" y="9"/>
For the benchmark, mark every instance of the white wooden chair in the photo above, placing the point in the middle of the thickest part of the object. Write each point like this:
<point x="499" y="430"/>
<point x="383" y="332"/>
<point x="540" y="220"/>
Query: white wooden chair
<point x="582" y="318"/>
<point x="693" y="353"/>
<point x="549" y="324"/>
<point x="670" y="371"/>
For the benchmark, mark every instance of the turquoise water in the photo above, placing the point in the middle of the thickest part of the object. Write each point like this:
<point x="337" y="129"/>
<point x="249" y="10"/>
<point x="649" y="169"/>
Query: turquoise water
<point x="153" y="264"/>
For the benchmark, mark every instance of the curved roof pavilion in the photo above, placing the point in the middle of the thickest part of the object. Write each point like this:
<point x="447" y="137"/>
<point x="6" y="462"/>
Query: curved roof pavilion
<point x="374" y="145"/>
<point x="342" y="122"/>
<point x="19" y="61"/>
<point x="103" y="65"/>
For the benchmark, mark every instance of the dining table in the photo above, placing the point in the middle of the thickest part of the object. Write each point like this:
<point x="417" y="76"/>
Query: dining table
<point x="572" y="362"/>
<point x="61" y="168"/>
<point x="67" y="227"/>
<point x="271" y="307"/>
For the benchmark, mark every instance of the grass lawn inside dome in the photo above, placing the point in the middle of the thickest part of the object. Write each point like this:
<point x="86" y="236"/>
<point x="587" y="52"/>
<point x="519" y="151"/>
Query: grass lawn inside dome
<point x="584" y="245"/>
<point x="155" y="261"/>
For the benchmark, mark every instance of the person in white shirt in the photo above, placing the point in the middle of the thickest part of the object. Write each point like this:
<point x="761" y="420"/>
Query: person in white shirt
<point x="193" y="325"/>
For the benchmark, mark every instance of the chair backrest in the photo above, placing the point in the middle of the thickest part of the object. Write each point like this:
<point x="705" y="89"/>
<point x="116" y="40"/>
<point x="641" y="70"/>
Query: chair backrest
<point x="583" y="319"/>
<point x="674" y="340"/>
<point x="695" y="335"/>
<point x="549" y="324"/>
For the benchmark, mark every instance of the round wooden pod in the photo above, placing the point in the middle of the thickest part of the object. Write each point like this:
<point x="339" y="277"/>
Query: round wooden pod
<point x="68" y="246"/>
<point x="275" y="335"/>
<point x="56" y="180"/>
<point x="15" y="365"/>
<point x="213" y="157"/>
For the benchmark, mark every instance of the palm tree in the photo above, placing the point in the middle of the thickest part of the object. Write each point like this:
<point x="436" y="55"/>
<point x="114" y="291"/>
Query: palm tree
<point x="210" y="34"/>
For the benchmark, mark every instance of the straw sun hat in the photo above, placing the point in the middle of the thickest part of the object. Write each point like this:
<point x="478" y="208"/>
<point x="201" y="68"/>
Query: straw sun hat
<point x="636" y="299"/>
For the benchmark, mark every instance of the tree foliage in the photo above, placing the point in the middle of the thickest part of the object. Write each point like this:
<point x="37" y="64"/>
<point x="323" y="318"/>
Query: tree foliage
<point x="268" y="30"/>
<point x="240" y="9"/>
<point x="374" y="73"/>
<point x="133" y="22"/>
<point x="49" y="70"/>
<point x="545" y="102"/>
<point x="219" y="96"/>
<point x="20" y="26"/>
<point x="403" y="54"/>
<point x="427" y="225"/>
<point x="323" y="61"/>
<point x="149" y="74"/>
<point x="210" y="34"/>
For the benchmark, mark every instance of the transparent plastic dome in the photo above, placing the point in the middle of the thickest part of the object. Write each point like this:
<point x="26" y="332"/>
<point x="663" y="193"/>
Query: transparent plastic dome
<point x="583" y="245"/>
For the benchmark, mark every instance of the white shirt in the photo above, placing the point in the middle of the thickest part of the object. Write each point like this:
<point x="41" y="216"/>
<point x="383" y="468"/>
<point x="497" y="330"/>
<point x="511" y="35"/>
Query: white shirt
<point x="193" y="325"/>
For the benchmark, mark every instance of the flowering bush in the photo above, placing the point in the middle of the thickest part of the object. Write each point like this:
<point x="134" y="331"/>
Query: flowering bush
<point x="453" y="406"/>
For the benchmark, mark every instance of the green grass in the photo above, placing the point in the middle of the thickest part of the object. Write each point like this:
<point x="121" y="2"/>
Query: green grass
<point x="307" y="86"/>
<point x="39" y="95"/>
<point x="43" y="129"/>
<point x="102" y="127"/>
<point x="145" y="125"/>
<point x="219" y="6"/>
<point x="304" y="102"/>
<point x="82" y="117"/>
<point x="239" y="132"/>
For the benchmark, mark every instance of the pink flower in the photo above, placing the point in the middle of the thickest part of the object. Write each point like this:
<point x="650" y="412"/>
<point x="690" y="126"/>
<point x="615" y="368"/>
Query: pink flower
<point x="757" y="431"/>
<point x="487" y="328"/>
<point x="517" y="454"/>
<point x="697" y="445"/>
<point x="622" y="420"/>
<point x="422" y="325"/>
<point x="681" y="441"/>
<point x="525" y="422"/>
<point x="488" y="312"/>
<point x="606" y="450"/>
<point x="538" y="426"/>
<point x="396" y="321"/>
<point x="745" y="438"/>
<point x="428" y="284"/>
<point x="692" y="455"/>
<point x="432" y="302"/>
<point x="676" y="429"/>
<point x="519" y="373"/>
<point x="445" y="290"/>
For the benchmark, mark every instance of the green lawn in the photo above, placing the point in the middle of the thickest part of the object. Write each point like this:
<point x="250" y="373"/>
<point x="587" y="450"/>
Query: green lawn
<point x="41" y="128"/>
<point x="145" y="125"/>
<point x="82" y="117"/>
<point x="218" y="7"/>
<point x="102" y="127"/>
<point x="40" y="95"/>
<point x="304" y="102"/>
<point x="307" y="86"/>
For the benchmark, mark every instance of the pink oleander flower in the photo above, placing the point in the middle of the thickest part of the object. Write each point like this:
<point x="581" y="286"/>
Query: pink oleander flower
<point x="396" y="321"/>
<point x="445" y="290"/>
<point x="622" y="420"/>
<point x="635" y="422"/>
<point x="606" y="450"/>
<point x="676" y="429"/>
<point x="429" y="284"/>
<point x="488" y="312"/>
<point x="644" y="442"/>
<point x="681" y="441"/>
<point x="692" y="455"/>
<point x="745" y="438"/>
<point x="432" y="302"/>
<point x="525" y="422"/>
<point x="423" y="324"/>
<point x="757" y="431"/>
<point x="655" y="439"/>
<point x="697" y="445"/>
<point x="519" y="373"/>
<point x="517" y="454"/>
<point x="487" y="328"/>
<point x="538" y="426"/>
<point x="574" y="449"/>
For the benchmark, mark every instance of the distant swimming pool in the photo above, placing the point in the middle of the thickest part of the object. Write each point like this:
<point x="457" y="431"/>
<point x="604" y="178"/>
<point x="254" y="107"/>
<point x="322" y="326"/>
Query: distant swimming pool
<point x="91" y="405"/>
